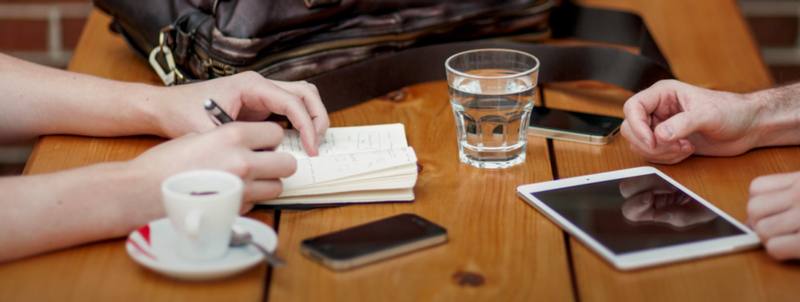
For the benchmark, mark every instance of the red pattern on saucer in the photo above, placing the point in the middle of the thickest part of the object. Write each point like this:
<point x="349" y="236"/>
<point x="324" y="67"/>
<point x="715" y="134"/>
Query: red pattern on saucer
<point x="142" y="234"/>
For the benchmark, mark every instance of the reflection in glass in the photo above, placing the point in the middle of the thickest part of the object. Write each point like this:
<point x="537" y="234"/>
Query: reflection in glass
<point x="608" y="211"/>
<point x="651" y="199"/>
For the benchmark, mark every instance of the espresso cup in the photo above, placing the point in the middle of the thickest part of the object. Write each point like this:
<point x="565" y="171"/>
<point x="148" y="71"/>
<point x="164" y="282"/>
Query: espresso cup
<point x="202" y="206"/>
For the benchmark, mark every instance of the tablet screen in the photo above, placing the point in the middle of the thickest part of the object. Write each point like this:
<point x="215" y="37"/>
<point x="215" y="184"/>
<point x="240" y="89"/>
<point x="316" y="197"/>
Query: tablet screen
<point x="637" y="213"/>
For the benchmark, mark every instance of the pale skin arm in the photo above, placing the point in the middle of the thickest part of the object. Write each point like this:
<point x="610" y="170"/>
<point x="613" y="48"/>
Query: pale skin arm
<point x="38" y="100"/>
<point x="671" y="121"/>
<point x="108" y="200"/>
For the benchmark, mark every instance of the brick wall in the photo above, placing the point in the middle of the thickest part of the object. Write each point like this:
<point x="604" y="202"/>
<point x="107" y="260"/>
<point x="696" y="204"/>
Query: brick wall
<point x="774" y="24"/>
<point x="43" y="31"/>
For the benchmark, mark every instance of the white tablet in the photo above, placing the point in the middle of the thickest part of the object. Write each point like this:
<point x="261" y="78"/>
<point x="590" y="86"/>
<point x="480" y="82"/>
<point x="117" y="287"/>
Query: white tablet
<point x="638" y="217"/>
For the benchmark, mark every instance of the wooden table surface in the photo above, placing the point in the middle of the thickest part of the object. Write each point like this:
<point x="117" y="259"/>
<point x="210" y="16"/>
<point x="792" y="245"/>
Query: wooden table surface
<point x="500" y="249"/>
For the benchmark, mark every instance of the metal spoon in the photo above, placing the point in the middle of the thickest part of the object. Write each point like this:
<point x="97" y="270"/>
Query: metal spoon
<point x="241" y="236"/>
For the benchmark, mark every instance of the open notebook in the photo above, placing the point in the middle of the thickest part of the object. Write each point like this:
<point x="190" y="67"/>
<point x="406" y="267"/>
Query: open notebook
<point x="355" y="165"/>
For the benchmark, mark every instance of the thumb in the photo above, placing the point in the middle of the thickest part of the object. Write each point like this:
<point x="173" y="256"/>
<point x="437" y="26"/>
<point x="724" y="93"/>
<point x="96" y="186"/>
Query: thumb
<point x="679" y="126"/>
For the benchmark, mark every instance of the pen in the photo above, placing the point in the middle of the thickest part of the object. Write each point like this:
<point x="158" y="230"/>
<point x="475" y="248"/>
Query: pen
<point x="218" y="116"/>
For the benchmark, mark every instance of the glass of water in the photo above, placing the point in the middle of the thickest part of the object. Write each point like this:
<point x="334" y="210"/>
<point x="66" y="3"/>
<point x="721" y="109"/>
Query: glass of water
<point x="492" y="92"/>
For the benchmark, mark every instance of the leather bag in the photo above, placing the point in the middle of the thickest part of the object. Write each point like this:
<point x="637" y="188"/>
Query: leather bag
<point x="344" y="46"/>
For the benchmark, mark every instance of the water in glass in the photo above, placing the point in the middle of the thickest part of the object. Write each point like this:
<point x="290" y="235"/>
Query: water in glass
<point x="492" y="117"/>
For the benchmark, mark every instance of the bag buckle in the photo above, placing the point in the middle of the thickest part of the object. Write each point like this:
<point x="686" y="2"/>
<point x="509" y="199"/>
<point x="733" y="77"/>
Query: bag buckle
<point x="169" y="78"/>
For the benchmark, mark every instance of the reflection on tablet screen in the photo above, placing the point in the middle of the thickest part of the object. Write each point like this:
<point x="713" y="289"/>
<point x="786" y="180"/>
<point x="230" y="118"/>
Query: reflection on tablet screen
<point x="637" y="213"/>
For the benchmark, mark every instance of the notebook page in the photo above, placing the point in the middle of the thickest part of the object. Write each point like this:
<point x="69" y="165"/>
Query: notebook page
<point x="326" y="168"/>
<point x="342" y="140"/>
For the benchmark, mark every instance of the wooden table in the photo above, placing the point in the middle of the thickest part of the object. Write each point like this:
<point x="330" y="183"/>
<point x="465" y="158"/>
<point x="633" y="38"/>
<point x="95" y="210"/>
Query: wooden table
<point x="500" y="248"/>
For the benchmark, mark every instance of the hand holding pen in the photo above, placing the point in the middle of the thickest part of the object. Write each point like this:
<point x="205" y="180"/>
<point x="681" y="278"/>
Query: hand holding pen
<point x="218" y="116"/>
<point x="298" y="101"/>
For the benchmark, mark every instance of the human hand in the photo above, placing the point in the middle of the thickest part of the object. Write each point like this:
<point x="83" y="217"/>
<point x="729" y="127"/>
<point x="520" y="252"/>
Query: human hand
<point x="246" y="97"/>
<point x="774" y="213"/>
<point x="228" y="148"/>
<point x="671" y="120"/>
<point x="649" y="198"/>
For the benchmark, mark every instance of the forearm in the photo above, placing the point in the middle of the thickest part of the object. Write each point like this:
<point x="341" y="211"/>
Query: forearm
<point x="778" y="121"/>
<point x="38" y="100"/>
<point x="52" y="211"/>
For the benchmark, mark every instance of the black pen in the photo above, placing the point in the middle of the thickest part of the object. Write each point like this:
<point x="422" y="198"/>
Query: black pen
<point x="218" y="116"/>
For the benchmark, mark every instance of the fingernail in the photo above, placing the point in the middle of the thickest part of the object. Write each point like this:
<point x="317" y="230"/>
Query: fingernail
<point x="664" y="218"/>
<point x="666" y="131"/>
<point x="685" y="149"/>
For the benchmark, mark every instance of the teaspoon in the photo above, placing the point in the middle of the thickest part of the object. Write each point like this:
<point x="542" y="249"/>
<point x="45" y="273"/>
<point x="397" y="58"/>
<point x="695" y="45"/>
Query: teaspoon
<point x="241" y="236"/>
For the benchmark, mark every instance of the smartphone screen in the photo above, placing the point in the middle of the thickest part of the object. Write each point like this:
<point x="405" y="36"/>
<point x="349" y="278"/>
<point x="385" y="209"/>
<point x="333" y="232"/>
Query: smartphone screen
<point x="573" y="126"/>
<point x="373" y="241"/>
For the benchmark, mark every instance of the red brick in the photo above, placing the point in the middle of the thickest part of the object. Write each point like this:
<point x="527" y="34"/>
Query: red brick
<point x="785" y="74"/>
<point x="774" y="31"/>
<point x="71" y="30"/>
<point x="23" y="34"/>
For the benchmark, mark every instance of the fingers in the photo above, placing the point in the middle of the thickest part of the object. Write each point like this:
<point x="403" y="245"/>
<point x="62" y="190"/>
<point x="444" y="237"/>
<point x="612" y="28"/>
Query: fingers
<point x="661" y="153"/>
<point x="784" y="247"/>
<point x="646" y="109"/>
<point x="681" y="125"/>
<point x="660" y="120"/>
<point x="771" y="183"/>
<point x="255" y="136"/>
<point x="768" y="204"/>
<point x="665" y="154"/>
<point x="784" y="223"/>
<point x="649" y="110"/>
<point x="773" y="212"/>
<point x="637" y="128"/>
<point x="310" y="97"/>
<point x="272" y="165"/>
<point x="252" y="165"/>
<point x="260" y="190"/>
<point x="282" y="102"/>
<point x="299" y="101"/>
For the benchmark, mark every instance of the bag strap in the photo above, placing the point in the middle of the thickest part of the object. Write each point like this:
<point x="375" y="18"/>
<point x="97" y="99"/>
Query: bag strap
<point x="374" y="77"/>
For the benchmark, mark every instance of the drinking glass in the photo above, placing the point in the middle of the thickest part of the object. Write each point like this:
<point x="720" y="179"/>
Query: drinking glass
<point x="492" y="92"/>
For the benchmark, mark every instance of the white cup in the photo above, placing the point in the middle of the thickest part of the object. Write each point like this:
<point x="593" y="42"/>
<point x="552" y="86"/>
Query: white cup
<point x="202" y="205"/>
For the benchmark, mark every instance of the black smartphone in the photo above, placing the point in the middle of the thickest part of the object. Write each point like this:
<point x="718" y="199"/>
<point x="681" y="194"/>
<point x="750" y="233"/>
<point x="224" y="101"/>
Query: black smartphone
<point x="573" y="126"/>
<point x="373" y="241"/>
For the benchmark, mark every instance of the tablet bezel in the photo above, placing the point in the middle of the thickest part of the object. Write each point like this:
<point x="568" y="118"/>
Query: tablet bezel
<point x="648" y="257"/>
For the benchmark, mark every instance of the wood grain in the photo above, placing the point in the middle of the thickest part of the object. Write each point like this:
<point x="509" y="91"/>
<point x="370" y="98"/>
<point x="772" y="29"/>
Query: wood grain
<point x="713" y="50"/>
<point x="519" y="253"/>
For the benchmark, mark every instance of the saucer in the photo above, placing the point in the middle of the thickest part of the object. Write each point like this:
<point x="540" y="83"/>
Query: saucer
<point x="154" y="247"/>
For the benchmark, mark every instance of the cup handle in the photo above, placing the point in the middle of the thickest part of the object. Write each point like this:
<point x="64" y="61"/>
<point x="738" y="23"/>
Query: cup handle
<point x="192" y="222"/>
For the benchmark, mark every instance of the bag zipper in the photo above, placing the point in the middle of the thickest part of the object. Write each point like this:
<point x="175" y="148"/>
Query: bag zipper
<point x="223" y="69"/>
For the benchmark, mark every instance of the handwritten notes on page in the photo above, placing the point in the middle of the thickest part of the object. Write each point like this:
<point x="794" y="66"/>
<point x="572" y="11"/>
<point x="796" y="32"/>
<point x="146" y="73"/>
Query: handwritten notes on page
<point x="314" y="170"/>
<point x="355" y="164"/>
<point x="343" y="140"/>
